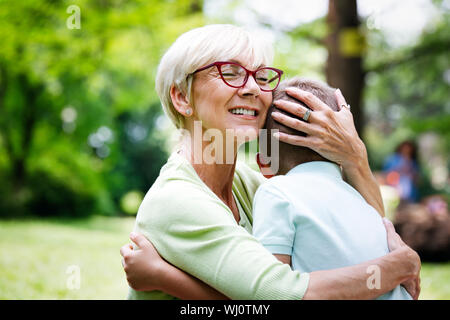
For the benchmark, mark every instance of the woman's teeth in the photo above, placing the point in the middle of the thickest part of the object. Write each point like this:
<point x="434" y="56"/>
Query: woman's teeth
<point x="243" y="111"/>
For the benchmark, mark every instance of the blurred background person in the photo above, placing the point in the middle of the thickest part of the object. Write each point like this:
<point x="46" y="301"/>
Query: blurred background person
<point x="402" y="171"/>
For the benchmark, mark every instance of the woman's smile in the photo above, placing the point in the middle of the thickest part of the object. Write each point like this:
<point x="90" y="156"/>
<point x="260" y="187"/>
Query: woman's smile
<point x="244" y="112"/>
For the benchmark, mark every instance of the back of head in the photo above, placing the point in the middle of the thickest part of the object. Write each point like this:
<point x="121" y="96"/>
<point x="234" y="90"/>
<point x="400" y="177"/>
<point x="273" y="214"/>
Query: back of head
<point x="291" y="155"/>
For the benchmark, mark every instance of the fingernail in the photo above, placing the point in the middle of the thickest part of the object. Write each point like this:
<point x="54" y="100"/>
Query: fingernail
<point x="133" y="235"/>
<point x="276" y="135"/>
<point x="275" y="114"/>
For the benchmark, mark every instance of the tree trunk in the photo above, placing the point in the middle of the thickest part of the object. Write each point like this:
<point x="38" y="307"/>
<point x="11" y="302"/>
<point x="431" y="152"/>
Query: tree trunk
<point x="18" y="148"/>
<point x="196" y="6"/>
<point x="346" y="45"/>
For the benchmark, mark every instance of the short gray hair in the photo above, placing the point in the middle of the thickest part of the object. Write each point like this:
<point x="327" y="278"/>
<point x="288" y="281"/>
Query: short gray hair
<point x="291" y="155"/>
<point x="199" y="47"/>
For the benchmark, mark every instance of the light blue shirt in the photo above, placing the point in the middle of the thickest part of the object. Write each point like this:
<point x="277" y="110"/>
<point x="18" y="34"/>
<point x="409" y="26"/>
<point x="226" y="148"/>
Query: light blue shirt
<point x="318" y="219"/>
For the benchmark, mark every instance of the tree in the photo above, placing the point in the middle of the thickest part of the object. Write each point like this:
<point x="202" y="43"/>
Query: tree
<point x="59" y="86"/>
<point x="407" y="91"/>
<point x="346" y="45"/>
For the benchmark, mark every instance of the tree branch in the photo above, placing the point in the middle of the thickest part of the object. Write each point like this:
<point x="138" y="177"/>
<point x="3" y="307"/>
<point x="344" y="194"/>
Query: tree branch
<point x="431" y="48"/>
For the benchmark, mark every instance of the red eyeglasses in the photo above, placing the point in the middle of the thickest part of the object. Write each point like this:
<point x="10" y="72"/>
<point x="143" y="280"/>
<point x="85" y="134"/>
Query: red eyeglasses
<point x="236" y="76"/>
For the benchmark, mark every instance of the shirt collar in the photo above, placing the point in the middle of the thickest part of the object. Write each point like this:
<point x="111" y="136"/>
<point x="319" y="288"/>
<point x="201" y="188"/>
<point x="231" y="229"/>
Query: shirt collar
<point x="326" y="168"/>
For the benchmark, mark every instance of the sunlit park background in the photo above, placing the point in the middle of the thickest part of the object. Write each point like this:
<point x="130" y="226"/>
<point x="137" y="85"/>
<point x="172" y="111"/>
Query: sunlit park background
<point x="83" y="135"/>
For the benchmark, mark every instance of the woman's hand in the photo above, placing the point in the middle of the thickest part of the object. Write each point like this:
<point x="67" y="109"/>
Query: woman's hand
<point x="411" y="285"/>
<point x="331" y="134"/>
<point x="147" y="271"/>
<point x="142" y="266"/>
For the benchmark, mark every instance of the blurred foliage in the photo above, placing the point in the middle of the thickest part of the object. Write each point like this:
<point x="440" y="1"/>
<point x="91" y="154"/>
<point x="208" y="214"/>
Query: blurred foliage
<point x="408" y="88"/>
<point x="407" y="97"/>
<point x="80" y="120"/>
<point x="77" y="106"/>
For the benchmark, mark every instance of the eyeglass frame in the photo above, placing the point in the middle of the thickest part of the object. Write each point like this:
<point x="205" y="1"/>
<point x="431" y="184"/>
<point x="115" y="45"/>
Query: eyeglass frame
<point x="219" y="64"/>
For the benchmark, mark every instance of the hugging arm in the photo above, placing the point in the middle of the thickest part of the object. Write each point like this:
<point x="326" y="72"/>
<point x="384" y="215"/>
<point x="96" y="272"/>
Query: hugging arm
<point x="333" y="136"/>
<point x="212" y="247"/>
<point x="401" y="266"/>
<point x="146" y="270"/>
<point x="361" y="178"/>
<point x="354" y="283"/>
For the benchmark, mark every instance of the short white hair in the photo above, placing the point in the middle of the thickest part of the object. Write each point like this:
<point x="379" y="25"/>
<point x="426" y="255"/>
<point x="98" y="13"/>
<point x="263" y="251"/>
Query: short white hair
<point x="199" y="47"/>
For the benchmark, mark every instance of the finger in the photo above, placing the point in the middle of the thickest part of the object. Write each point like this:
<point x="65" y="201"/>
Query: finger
<point x="139" y="240"/>
<point x="292" y="107"/>
<point x="393" y="238"/>
<point x="412" y="289"/>
<point x="294" y="139"/>
<point x="340" y="99"/>
<point x="408" y="289"/>
<point x="293" y="123"/>
<point x="416" y="296"/>
<point x="125" y="250"/>
<point x="389" y="226"/>
<point x="418" y="287"/>
<point x="307" y="97"/>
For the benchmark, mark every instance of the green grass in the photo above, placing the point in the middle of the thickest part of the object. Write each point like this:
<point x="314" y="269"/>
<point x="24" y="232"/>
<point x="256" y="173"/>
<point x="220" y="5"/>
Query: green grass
<point x="435" y="281"/>
<point x="35" y="256"/>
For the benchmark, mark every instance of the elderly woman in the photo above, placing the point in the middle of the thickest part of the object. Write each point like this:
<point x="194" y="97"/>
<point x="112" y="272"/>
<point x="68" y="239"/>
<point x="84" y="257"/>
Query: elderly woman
<point x="215" y="84"/>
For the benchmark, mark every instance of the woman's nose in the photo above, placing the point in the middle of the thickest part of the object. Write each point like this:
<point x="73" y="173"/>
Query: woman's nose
<point x="251" y="88"/>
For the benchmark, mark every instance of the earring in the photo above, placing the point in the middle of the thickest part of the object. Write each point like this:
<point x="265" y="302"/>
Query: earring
<point x="188" y="112"/>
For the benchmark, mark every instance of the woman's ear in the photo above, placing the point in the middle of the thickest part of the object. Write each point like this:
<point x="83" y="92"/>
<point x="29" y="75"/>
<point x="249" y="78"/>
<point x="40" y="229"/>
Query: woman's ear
<point x="180" y="101"/>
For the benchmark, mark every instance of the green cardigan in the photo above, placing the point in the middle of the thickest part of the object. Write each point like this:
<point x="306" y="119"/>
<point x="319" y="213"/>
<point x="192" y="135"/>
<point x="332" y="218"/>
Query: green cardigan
<point x="194" y="230"/>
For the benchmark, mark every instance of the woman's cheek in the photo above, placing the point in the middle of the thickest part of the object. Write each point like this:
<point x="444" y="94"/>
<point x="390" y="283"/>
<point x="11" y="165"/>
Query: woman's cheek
<point x="264" y="110"/>
<point x="268" y="101"/>
<point x="262" y="119"/>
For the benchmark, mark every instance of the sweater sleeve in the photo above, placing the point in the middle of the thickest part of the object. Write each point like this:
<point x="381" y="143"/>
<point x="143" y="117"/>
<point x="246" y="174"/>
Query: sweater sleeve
<point x="198" y="234"/>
